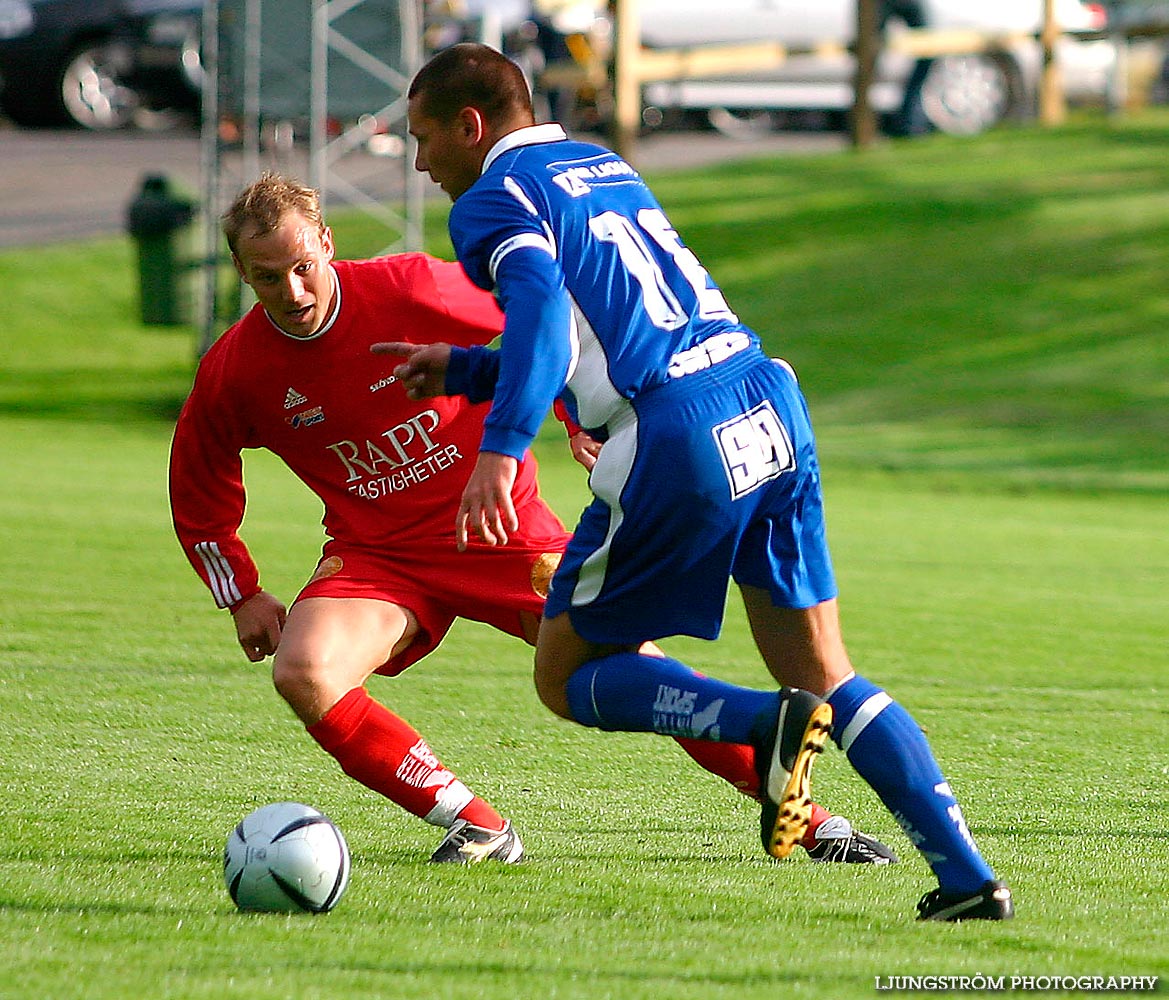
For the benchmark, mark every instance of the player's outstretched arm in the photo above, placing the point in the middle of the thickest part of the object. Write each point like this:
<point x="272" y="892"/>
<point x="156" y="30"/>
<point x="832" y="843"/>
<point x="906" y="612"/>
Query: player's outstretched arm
<point x="585" y="449"/>
<point x="423" y="373"/>
<point x="258" y="624"/>
<point x="486" y="509"/>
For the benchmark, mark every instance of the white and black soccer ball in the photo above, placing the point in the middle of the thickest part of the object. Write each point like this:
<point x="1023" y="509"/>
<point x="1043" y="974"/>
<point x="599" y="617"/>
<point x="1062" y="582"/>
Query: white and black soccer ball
<point x="286" y="858"/>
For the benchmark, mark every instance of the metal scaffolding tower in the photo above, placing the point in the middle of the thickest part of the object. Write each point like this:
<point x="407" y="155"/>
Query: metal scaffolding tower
<point x="316" y="90"/>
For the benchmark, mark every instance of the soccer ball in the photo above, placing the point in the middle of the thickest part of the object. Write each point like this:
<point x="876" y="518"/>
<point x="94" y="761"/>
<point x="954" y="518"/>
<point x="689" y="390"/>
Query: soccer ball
<point x="286" y="858"/>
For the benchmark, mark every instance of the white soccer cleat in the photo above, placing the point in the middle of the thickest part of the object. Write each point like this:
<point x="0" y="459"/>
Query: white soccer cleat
<point x="467" y="844"/>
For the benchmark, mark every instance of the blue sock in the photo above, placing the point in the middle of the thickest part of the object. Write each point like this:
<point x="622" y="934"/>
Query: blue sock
<point x="632" y="693"/>
<point x="889" y="750"/>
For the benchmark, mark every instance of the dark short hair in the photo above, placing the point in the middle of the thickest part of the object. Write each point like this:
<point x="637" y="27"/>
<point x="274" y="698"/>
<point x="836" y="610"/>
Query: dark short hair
<point x="475" y="76"/>
<point x="265" y="203"/>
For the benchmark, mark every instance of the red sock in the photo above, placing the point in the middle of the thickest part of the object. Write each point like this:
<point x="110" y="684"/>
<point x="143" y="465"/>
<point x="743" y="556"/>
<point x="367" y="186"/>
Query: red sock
<point x="736" y="763"/>
<point x="386" y="753"/>
<point x="819" y="814"/>
<point x="732" y="762"/>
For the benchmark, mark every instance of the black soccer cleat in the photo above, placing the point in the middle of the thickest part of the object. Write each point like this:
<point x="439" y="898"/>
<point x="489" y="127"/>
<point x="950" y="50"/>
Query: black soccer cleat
<point x="783" y="761"/>
<point x="991" y="902"/>
<point x="467" y="844"/>
<point x="837" y="842"/>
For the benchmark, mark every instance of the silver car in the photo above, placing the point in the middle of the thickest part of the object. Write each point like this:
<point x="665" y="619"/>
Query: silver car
<point x="961" y="93"/>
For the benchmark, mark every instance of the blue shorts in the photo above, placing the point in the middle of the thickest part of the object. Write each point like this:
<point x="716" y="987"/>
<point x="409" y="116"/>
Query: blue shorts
<point x="708" y="478"/>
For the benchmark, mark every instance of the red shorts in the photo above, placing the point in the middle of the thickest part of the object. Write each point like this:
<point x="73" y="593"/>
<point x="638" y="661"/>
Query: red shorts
<point x="498" y="585"/>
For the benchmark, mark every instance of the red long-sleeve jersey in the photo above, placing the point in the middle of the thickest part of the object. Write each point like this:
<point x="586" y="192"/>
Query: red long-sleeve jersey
<point x="388" y="470"/>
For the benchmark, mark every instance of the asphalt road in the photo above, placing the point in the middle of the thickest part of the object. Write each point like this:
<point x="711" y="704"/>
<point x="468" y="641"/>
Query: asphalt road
<point x="58" y="186"/>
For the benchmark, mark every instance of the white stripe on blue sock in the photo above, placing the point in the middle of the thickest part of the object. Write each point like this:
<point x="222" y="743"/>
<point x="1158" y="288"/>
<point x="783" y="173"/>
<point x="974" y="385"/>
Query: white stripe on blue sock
<point x="870" y="708"/>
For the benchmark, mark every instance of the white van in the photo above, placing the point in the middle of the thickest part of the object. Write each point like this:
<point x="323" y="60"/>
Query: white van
<point x="961" y="93"/>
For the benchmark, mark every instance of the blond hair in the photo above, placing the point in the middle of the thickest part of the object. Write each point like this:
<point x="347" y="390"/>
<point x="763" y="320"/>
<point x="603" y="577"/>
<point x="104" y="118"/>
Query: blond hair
<point x="264" y="204"/>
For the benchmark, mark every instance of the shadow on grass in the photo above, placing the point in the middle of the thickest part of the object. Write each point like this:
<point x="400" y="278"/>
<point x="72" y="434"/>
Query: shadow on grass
<point x="458" y="968"/>
<point x="456" y="965"/>
<point x="1083" y="833"/>
<point x="102" y="907"/>
<point x="155" y="409"/>
<point x="97" y="395"/>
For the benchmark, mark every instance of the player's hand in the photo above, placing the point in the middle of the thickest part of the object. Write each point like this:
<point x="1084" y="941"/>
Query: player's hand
<point x="486" y="509"/>
<point x="585" y="449"/>
<point x="423" y="373"/>
<point x="258" y="624"/>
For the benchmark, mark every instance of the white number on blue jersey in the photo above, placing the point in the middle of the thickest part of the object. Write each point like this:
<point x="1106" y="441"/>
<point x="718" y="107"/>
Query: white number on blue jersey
<point x="755" y="449"/>
<point x="711" y="304"/>
<point x="661" y="305"/>
<point x="663" y="308"/>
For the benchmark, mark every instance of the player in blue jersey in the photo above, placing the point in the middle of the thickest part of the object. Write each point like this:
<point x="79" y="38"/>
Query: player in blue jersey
<point x="708" y="470"/>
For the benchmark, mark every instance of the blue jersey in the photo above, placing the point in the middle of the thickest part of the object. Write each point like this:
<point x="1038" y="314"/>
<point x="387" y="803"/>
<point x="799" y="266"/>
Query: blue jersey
<point x="603" y="300"/>
<point x="709" y="467"/>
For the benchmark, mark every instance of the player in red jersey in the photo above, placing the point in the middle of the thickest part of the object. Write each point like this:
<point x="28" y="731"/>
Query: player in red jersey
<point x="296" y="376"/>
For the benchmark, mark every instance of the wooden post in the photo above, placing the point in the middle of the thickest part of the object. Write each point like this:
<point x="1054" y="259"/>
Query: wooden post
<point x="626" y="78"/>
<point x="1052" y="106"/>
<point x="863" y="126"/>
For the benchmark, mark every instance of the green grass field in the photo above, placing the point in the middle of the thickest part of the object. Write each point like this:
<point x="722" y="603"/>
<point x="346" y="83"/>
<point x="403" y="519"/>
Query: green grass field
<point x="979" y="326"/>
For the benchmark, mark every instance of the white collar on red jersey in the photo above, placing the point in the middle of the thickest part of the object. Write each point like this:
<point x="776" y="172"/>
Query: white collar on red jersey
<point x="324" y="327"/>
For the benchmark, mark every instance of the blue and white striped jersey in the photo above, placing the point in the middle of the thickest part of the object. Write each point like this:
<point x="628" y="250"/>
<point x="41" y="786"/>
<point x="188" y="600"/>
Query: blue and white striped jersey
<point x="603" y="300"/>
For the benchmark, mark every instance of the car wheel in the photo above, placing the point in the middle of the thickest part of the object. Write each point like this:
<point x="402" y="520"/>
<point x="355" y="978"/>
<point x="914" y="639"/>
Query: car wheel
<point x="740" y="123"/>
<point x="93" y="88"/>
<point x="963" y="94"/>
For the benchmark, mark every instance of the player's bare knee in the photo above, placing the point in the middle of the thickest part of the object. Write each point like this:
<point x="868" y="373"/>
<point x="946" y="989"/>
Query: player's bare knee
<point x="560" y="652"/>
<point x="552" y="695"/>
<point x="551" y="683"/>
<point x="295" y="683"/>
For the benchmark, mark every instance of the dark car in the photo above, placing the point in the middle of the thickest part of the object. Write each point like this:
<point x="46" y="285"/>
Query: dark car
<point x="99" y="64"/>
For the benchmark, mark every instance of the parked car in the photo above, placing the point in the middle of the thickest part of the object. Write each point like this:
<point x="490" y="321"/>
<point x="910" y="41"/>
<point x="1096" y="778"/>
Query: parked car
<point x="99" y="64"/>
<point x="962" y="93"/>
